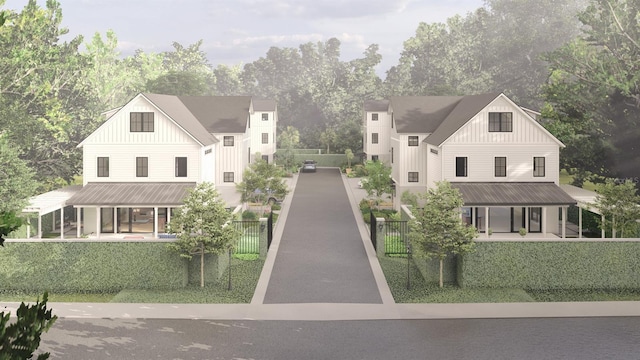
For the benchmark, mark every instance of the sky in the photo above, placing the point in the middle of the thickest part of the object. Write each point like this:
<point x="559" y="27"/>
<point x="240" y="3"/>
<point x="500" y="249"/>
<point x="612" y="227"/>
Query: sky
<point x="241" y="31"/>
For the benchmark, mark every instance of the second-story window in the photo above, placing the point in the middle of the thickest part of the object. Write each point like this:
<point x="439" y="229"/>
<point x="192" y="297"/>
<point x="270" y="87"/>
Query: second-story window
<point x="500" y="122"/>
<point x="141" y="122"/>
<point x="228" y="141"/>
<point x="142" y="167"/>
<point x="374" y="138"/>
<point x="265" y="116"/>
<point x="227" y="176"/>
<point x="538" y="167"/>
<point x="413" y="141"/>
<point x="103" y="167"/>
<point x="461" y="166"/>
<point x="265" y="138"/>
<point x="181" y="167"/>
<point x="374" y="117"/>
<point x="413" y="176"/>
<point x="500" y="166"/>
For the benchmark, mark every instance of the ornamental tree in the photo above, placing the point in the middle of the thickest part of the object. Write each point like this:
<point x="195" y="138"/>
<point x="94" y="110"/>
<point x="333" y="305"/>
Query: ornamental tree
<point x="202" y="226"/>
<point x="618" y="203"/>
<point x="261" y="181"/>
<point x="378" y="179"/>
<point x="437" y="229"/>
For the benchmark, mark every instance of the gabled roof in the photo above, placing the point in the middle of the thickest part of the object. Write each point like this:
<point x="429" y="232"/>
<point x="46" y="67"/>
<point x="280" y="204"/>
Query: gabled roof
<point x="178" y="112"/>
<point x="464" y="110"/>
<point x="264" y="105"/>
<point x="421" y="114"/>
<point x="376" y="105"/>
<point x="219" y="114"/>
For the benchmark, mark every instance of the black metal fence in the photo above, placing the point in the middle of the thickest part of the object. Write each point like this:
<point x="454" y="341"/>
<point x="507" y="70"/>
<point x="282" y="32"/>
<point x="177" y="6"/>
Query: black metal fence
<point x="396" y="239"/>
<point x="249" y="242"/>
<point x="269" y="229"/>
<point x="373" y="225"/>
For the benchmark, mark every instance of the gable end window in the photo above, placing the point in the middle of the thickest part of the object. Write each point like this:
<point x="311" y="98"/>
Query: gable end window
<point x="374" y="138"/>
<point x="413" y="176"/>
<point x="265" y="116"/>
<point x="142" y="167"/>
<point x="103" y="167"/>
<point x="228" y="141"/>
<point x="461" y="166"/>
<point x="374" y="117"/>
<point x="141" y="122"/>
<point x="500" y="166"/>
<point x="500" y="122"/>
<point x="181" y="167"/>
<point x="413" y="141"/>
<point x="265" y="138"/>
<point x="538" y="167"/>
<point x="228" y="177"/>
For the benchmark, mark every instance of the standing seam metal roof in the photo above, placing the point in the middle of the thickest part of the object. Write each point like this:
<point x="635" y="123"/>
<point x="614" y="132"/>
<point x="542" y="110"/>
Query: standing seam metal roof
<point x="516" y="193"/>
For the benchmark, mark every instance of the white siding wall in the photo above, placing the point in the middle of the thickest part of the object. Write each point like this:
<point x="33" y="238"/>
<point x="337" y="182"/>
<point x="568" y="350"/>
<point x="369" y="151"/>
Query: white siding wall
<point x="258" y="127"/>
<point x="208" y="164"/>
<point x="527" y="140"/>
<point x="411" y="159"/>
<point x="434" y="166"/>
<point x="383" y="128"/>
<point x="115" y="141"/>
<point x="230" y="158"/>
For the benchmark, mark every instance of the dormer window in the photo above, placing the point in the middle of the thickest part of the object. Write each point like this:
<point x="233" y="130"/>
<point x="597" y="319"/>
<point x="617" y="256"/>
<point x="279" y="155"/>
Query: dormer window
<point x="500" y="122"/>
<point x="141" y="122"/>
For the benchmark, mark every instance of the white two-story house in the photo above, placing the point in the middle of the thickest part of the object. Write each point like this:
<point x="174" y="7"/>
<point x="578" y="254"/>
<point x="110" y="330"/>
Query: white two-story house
<point x="505" y="164"/>
<point x="139" y="164"/>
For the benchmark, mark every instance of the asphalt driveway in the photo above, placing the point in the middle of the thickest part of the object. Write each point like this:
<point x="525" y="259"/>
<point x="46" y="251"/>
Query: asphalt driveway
<point x="321" y="257"/>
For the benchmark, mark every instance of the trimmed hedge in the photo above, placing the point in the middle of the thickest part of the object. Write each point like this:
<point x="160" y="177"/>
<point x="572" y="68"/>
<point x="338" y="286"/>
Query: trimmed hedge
<point x="322" y="160"/>
<point x="90" y="266"/>
<point x="550" y="265"/>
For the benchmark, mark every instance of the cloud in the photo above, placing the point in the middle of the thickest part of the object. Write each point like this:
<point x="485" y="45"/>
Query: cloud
<point x="321" y="9"/>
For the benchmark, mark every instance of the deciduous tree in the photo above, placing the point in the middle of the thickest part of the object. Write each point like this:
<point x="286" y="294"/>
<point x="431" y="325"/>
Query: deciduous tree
<point x="619" y="203"/>
<point x="437" y="230"/>
<point x="202" y="226"/>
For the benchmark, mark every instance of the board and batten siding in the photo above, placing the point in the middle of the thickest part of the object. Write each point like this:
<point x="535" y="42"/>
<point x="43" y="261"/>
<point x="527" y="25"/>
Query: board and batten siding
<point x="383" y="128"/>
<point x="115" y="140"/>
<point x="434" y="165"/>
<point x="230" y="158"/>
<point x="411" y="159"/>
<point x="258" y="127"/>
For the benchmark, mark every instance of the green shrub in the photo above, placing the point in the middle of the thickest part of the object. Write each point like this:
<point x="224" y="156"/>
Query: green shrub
<point x="249" y="215"/>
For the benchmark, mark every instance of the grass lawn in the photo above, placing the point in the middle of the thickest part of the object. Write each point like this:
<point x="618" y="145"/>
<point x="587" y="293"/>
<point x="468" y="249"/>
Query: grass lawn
<point x="395" y="270"/>
<point x="244" y="277"/>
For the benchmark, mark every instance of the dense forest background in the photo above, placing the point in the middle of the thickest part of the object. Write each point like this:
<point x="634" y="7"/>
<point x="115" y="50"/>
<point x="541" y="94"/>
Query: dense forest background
<point x="577" y="61"/>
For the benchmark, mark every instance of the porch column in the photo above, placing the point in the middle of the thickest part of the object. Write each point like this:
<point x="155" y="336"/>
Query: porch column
<point x="526" y="218"/>
<point x="486" y="221"/>
<point x="39" y="226"/>
<point x="603" y="232"/>
<point x="28" y="228"/>
<point x="168" y="214"/>
<point x="155" y="222"/>
<point x="543" y="220"/>
<point x="53" y="221"/>
<point x="579" y="222"/>
<point x="564" y="222"/>
<point x="98" y="214"/>
<point x="61" y="223"/>
<point x="115" y="220"/>
<point x="78" y="223"/>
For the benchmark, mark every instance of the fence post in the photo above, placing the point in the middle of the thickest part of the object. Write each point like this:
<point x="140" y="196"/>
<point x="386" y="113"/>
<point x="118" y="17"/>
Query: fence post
<point x="264" y="238"/>
<point x="381" y="232"/>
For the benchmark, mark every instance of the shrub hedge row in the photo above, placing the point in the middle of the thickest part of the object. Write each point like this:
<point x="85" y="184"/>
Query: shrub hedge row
<point x="573" y="264"/>
<point x="91" y="266"/>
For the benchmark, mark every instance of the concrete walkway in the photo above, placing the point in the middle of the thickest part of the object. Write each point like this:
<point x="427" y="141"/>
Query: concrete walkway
<point x="323" y="311"/>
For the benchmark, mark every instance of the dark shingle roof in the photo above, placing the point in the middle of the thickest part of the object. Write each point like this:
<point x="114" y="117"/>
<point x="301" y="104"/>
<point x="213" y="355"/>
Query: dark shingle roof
<point x="220" y="114"/>
<point x="513" y="194"/>
<point x="376" y="105"/>
<point x="131" y="194"/>
<point x="264" y="105"/>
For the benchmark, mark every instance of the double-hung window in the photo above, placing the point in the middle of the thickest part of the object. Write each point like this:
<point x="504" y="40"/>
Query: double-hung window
<point x="103" y="167"/>
<point x="500" y="122"/>
<point x="265" y="138"/>
<point x="538" y="167"/>
<point x="374" y="117"/>
<point x="500" y="166"/>
<point x="413" y="141"/>
<point x="461" y="166"/>
<point x="141" y="122"/>
<point x="374" y="138"/>
<point x="181" y="167"/>
<point x="265" y="116"/>
<point x="228" y="141"/>
<point x="142" y="167"/>
<point x="228" y="177"/>
<point x="413" y="176"/>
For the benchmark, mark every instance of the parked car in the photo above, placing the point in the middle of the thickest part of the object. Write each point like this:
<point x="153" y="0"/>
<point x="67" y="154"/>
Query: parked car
<point x="309" y="166"/>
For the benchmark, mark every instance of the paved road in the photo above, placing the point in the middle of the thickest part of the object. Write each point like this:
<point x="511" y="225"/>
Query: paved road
<point x="473" y="339"/>
<point x="321" y="257"/>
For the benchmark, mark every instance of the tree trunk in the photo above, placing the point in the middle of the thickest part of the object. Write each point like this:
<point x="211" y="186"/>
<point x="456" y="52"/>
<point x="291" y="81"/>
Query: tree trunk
<point x="441" y="267"/>
<point x="201" y="265"/>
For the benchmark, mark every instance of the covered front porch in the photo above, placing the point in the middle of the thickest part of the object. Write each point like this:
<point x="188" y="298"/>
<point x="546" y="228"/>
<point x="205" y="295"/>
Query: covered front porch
<point x="506" y="208"/>
<point x="133" y="210"/>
